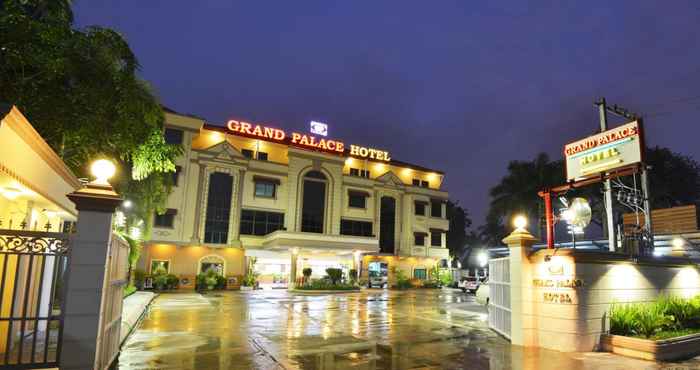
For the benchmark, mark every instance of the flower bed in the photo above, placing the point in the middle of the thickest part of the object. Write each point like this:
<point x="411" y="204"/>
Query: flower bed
<point x="666" y="329"/>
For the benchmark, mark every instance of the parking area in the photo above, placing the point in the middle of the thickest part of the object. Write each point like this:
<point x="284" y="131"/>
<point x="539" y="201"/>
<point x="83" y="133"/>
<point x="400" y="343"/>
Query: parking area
<point x="372" y="329"/>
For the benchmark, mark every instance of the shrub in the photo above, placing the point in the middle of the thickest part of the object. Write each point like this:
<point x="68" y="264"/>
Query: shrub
<point x="402" y="282"/>
<point x="172" y="281"/>
<point x="334" y="274"/>
<point x="307" y="272"/>
<point x="139" y="277"/>
<point x="210" y="280"/>
<point x="682" y="311"/>
<point x="652" y="318"/>
<point x="160" y="282"/>
<point x="129" y="290"/>
<point x="623" y="319"/>
<point x="325" y="284"/>
<point x="353" y="275"/>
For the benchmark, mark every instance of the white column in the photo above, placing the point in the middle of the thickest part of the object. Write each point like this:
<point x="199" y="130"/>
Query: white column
<point x="520" y="244"/>
<point x="294" y="253"/>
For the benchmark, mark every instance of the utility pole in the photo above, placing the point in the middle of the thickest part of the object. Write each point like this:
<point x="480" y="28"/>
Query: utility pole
<point x="647" y="196"/>
<point x="607" y="186"/>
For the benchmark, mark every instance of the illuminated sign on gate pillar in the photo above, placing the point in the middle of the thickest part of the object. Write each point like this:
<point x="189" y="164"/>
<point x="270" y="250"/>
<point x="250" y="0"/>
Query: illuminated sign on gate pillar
<point x="615" y="148"/>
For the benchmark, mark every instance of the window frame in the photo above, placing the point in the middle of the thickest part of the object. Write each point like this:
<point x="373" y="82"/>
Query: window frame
<point x="415" y="207"/>
<point x="167" y="264"/>
<point x="180" y="133"/>
<point x="170" y="212"/>
<point x="258" y="228"/>
<point x="433" y="203"/>
<point x="433" y="234"/>
<point x="357" y="227"/>
<point x="248" y="153"/>
<point x="357" y="195"/>
<point x="264" y="154"/>
<point x="422" y="238"/>
<point x="265" y="183"/>
<point x="425" y="273"/>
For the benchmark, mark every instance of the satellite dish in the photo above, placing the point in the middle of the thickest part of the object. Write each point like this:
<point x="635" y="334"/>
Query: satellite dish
<point x="580" y="212"/>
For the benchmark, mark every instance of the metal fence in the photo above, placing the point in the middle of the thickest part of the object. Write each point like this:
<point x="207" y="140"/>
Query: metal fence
<point x="32" y="291"/>
<point x="115" y="279"/>
<point x="499" y="296"/>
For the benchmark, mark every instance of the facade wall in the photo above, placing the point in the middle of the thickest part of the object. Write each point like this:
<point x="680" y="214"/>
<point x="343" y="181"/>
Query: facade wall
<point x="185" y="260"/>
<point x="210" y="150"/>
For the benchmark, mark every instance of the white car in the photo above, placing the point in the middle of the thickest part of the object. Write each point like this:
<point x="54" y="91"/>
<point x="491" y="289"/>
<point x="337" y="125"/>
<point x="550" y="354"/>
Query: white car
<point x="469" y="285"/>
<point x="483" y="293"/>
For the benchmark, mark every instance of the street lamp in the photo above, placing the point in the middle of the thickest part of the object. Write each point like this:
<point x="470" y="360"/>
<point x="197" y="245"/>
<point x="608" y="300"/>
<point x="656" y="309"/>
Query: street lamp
<point x="103" y="170"/>
<point x="482" y="259"/>
<point x="520" y="222"/>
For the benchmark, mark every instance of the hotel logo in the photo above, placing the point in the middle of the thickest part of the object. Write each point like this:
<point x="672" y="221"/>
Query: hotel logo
<point x="319" y="128"/>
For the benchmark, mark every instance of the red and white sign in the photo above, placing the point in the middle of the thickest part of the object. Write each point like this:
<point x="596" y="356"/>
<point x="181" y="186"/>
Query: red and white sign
<point x="615" y="148"/>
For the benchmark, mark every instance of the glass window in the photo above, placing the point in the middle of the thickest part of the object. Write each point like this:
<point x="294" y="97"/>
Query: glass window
<point x="247" y="153"/>
<point x="420" y="208"/>
<point x="160" y="265"/>
<point x="264" y="189"/>
<point x="260" y="222"/>
<point x="218" y="208"/>
<point x="166" y="220"/>
<point x="387" y="226"/>
<point x="357" y="200"/>
<point x="176" y="175"/>
<point x="354" y="172"/>
<point x="262" y="156"/>
<point x="416" y="182"/>
<point x="436" y="238"/>
<point x="356" y="228"/>
<point x="173" y="136"/>
<point x="436" y="209"/>
<point x="425" y="184"/>
<point x="421" y="274"/>
<point x="314" y="202"/>
<point x="419" y="239"/>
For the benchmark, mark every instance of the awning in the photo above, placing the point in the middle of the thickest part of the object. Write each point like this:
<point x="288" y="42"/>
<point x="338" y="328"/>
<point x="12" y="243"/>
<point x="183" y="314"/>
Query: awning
<point x="283" y="240"/>
<point x="271" y="180"/>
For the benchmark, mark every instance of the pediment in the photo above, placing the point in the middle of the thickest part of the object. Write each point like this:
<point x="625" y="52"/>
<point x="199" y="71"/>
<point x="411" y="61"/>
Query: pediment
<point x="223" y="151"/>
<point x="390" y="178"/>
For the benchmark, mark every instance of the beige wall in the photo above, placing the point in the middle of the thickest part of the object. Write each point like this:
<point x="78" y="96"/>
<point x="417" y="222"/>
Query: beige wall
<point x="184" y="261"/>
<point x="405" y="264"/>
<point x="572" y="316"/>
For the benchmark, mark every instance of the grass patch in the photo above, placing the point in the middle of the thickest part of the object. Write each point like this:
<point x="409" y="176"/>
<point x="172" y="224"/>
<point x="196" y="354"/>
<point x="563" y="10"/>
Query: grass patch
<point x="668" y="334"/>
<point x="129" y="290"/>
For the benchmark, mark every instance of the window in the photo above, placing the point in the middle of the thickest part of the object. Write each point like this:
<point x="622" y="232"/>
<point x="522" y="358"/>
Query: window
<point x="264" y="189"/>
<point x="425" y="184"/>
<point x="167" y="219"/>
<point x="160" y="265"/>
<point x="176" y="175"/>
<point x="387" y="226"/>
<point x="356" y="228"/>
<point x="313" y="202"/>
<point x="420" y="208"/>
<point x="262" y="156"/>
<point x="420" y="273"/>
<point x="419" y="238"/>
<point x="359" y="173"/>
<point x="173" y="136"/>
<point x="416" y="182"/>
<point x="436" y="238"/>
<point x="260" y="222"/>
<point x="436" y="209"/>
<point x="247" y="153"/>
<point x="218" y="208"/>
<point x="357" y="199"/>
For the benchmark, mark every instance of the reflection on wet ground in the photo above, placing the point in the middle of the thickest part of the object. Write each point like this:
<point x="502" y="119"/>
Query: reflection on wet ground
<point x="418" y="329"/>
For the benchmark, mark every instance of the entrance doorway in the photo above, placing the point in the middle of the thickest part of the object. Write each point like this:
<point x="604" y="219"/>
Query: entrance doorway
<point x="378" y="274"/>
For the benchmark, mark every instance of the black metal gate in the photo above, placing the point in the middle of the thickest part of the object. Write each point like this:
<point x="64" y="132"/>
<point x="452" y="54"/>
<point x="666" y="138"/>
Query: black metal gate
<point x="32" y="297"/>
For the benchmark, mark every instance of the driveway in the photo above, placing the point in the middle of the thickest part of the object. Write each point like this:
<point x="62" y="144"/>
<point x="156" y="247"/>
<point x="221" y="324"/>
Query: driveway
<point x="372" y="329"/>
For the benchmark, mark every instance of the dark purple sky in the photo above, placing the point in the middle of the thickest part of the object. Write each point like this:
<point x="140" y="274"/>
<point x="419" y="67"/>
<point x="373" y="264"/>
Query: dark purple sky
<point x="461" y="86"/>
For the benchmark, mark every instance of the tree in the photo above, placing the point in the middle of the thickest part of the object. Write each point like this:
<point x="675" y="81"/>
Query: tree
<point x="457" y="234"/>
<point x="674" y="179"/>
<point x="80" y="91"/>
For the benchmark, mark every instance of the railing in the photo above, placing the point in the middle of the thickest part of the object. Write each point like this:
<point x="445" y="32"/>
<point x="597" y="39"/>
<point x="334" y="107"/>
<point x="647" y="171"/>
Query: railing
<point x="32" y="297"/>
<point x="499" y="296"/>
<point x="112" y="301"/>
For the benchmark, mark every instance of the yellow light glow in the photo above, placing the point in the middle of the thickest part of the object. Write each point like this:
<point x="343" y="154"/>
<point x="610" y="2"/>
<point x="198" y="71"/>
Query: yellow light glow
<point x="10" y="193"/>
<point x="103" y="170"/>
<point x="432" y="176"/>
<point x="216" y="136"/>
<point x="380" y="167"/>
<point x="520" y="221"/>
<point x="349" y="161"/>
<point x="678" y="243"/>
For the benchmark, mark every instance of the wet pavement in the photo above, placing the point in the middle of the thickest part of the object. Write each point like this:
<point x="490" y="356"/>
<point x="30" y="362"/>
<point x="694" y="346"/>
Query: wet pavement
<point x="372" y="329"/>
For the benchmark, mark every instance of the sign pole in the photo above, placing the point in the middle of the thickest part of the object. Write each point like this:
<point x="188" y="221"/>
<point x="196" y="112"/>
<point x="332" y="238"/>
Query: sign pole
<point x="647" y="195"/>
<point x="607" y="186"/>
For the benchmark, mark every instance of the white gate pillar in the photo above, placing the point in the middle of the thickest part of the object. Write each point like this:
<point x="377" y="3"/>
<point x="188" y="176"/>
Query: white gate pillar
<point x="522" y="331"/>
<point x="86" y="275"/>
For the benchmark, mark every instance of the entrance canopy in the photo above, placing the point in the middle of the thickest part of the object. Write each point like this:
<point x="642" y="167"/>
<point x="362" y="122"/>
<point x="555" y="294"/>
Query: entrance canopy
<point x="284" y="240"/>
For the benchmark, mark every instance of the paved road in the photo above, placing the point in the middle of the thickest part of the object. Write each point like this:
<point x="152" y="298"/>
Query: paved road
<point x="373" y="329"/>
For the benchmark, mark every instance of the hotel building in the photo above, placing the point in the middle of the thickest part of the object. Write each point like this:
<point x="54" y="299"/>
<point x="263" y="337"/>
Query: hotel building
<point x="293" y="200"/>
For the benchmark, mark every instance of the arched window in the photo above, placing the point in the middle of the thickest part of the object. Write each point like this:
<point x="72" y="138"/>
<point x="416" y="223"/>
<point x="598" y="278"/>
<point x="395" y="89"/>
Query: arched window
<point x="211" y="262"/>
<point x="387" y="226"/>
<point x="313" y="202"/>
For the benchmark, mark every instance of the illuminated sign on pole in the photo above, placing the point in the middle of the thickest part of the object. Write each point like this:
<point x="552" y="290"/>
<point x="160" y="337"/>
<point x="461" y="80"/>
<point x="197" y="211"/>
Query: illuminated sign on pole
<point x="615" y="148"/>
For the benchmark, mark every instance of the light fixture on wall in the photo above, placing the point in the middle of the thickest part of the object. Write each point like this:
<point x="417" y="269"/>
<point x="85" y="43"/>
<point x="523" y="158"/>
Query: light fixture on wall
<point x="10" y="193"/>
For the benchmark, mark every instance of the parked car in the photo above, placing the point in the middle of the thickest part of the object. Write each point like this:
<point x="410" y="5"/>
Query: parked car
<point x="483" y="293"/>
<point x="469" y="284"/>
<point x="378" y="281"/>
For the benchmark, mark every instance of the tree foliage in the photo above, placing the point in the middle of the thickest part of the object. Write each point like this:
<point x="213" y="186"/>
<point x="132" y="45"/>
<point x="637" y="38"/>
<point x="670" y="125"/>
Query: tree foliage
<point x="79" y="89"/>
<point x="457" y="233"/>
